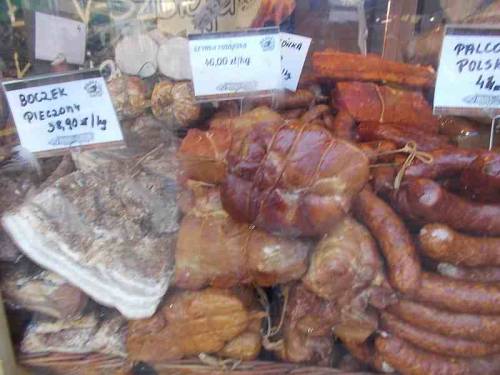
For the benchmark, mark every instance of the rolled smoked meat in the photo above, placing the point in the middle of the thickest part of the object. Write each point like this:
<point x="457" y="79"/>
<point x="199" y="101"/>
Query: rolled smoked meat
<point x="293" y="179"/>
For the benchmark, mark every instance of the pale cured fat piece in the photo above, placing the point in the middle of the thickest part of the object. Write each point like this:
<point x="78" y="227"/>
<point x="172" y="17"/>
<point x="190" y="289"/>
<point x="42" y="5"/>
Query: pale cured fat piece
<point x="110" y="230"/>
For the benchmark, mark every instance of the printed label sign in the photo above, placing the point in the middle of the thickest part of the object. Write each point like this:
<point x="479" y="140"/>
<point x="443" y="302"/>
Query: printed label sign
<point x="235" y="64"/>
<point x="59" y="36"/>
<point x="469" y="71"/>
<point x="57" y="112"/>
<point x="294" y="50"/>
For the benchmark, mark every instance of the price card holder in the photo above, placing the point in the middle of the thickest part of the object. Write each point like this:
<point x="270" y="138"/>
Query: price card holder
<point x="57" y="112"/>
<point x="294" y="50"/>
<point x="468" y="81"/>
<point x="235" y="65"/>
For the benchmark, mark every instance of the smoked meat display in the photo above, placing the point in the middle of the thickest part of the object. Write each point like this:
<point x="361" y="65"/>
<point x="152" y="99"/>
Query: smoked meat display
<point x="339" y="228"/>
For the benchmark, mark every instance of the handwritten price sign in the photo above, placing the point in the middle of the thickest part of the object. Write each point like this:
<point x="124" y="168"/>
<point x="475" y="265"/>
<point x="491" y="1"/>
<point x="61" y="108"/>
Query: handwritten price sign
<point x="469" y="71"/>
<point x="54" y="113"/>
<point x="235" y="64"/>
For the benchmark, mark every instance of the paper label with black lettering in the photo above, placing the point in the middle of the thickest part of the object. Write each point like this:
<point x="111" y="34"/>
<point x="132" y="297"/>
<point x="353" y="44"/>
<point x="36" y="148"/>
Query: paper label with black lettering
<point x="54" y="113"/>
<point x="59" y="37"/>
<point x="469" y="71"/>
<point x="238" y="64"/>
<point x="294" y="50"/>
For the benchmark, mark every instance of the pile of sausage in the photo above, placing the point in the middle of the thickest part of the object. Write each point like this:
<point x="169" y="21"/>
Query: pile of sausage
<point x="451" y="306"/>
<point x="436" y="231"/>
<point x="305" y="197"/>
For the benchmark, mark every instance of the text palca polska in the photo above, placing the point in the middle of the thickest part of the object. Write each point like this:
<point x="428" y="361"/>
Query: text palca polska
<point x="477" y="57"/>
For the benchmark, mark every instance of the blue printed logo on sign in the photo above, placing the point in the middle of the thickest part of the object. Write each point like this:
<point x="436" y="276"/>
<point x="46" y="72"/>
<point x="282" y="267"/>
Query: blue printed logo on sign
<point x="93" y="88"/>
<point x="267" y="44"/>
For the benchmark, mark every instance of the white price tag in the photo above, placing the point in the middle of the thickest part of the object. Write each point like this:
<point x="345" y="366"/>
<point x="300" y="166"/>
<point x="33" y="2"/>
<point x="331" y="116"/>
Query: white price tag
<point x="469" y="71"/>
<point x="56" y="36"/>
<point x="58" y="112"/>
<point x="235" y="64"/>
<point x="294" y="50"/>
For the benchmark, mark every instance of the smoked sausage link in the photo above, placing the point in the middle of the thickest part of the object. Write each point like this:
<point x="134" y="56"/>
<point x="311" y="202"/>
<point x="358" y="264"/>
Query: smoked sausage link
<point x="447" y="162"/>
<point x="393" y="238"/>
<point x="485" y="328"/>
<point x="431" y="203"/>
<point x="434" y="342"/>
<point x="482" y="274"/>
<point x="459" y="296"/>
<point x="442" y="243"/>
<point x="410" y="360"/>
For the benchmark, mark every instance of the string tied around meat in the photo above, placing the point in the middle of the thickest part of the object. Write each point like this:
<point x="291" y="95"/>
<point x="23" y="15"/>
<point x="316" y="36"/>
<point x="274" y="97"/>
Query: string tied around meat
<point x="223" y="364"/>
<point x="382" y="103"/>
<point x="136" y="169"/>
<point x="413" y="153"/>
<point x="271" y="331"/>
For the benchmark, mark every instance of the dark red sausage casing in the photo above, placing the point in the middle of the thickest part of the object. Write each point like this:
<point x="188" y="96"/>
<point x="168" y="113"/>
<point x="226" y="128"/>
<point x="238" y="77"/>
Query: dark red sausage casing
<point x="485" y="328"/>
<point x="447" y="162"/>
<point x="442" y="243"/>
<point x="477" y="274"/>
<point x="410" y="360"/>
<point x="459" y="296"/>
<point x="481" y="180"/>
<point x="434" y="342"/>
<point x="393" y="238"/>
<point x="431" y="203"/>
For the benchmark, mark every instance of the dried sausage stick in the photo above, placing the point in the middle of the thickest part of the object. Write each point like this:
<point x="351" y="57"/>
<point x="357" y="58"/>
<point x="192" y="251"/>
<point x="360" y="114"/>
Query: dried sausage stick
<point x="442" y="243"/>
<point x="446" y="163"/>
<point x="483" y="328"/>
<point x="481" y="275"/>
<point x="409" y="360"/>
<point x="394" y="240"/>
<point x="434" y="342"/>
<point x="459" y="296"/>
<point x="433" y="204"/>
